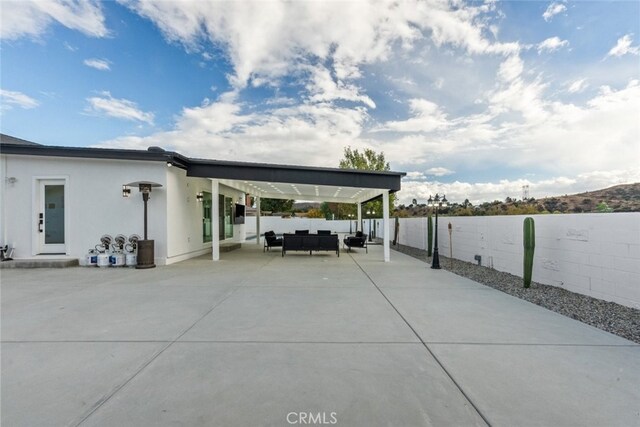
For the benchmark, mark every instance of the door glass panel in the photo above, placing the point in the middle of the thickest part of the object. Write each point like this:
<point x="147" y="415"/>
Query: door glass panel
<point x="221" y="217"/>
<point x="228" y="218"/>
<point x="206" y="217"/>
<point x="53" y="214"/>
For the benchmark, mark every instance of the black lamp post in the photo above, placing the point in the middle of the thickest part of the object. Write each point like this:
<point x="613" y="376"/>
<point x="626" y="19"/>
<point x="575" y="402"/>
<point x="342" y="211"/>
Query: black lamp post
<point x="437" y="204"/>
<point x="370" y="213"/>
<point x="146" y="251"/>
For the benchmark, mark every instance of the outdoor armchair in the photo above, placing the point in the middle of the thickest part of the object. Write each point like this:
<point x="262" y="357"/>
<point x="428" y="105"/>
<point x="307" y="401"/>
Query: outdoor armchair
<point x="357" y="241"/>
<point x="271" y="241"/>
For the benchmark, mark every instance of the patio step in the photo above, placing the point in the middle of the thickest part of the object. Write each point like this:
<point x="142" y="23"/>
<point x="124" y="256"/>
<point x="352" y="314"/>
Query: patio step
<point x="40" y="263"/>
<point x="230" y="246"/>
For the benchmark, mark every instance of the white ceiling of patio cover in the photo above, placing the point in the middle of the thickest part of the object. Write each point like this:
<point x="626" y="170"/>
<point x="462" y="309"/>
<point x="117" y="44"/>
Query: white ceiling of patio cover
<point x="306" y="192"/>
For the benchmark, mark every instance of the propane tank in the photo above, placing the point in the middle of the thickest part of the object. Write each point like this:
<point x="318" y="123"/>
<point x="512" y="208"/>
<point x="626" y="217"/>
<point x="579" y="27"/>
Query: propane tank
<point x="91" y="258"/>
<point x="103" y="259"/>
<point x="117" y="259"/>
<point x="131" y="259"/>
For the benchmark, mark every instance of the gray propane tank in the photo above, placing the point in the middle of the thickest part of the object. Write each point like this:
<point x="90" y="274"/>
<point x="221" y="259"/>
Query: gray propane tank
<point x="91" y="258"/>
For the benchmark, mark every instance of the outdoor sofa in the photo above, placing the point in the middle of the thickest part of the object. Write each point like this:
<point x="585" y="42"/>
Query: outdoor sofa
<point x="302" y="240"/>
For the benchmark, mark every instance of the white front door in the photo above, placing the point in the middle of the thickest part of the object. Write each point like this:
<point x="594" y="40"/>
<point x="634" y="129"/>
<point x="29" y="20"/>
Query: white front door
<point x="51" y="217"/>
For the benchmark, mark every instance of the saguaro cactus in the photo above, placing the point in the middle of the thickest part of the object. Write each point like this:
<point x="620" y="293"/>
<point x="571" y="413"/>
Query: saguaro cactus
<point x="429" y="235"/>
<point x="529" y="241"/>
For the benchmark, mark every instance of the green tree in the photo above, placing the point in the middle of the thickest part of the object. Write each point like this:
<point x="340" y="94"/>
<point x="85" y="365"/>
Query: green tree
<point x="314" y="213"/>
<point x="276" y="205"/>
<point x="366" y="160"/>
<point x="603" y="207"/>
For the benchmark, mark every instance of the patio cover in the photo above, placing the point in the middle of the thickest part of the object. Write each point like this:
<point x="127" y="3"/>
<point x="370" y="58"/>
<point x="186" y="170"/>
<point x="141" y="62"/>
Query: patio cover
<point x="300" y="183"/>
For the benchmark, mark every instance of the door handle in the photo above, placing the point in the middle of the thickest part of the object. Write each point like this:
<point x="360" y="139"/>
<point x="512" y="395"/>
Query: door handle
<point x="40" y="222"/>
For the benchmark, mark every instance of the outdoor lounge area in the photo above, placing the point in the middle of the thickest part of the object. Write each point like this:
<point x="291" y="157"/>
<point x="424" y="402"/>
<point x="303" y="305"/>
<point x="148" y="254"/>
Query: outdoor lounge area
<point x="374" y="343"/>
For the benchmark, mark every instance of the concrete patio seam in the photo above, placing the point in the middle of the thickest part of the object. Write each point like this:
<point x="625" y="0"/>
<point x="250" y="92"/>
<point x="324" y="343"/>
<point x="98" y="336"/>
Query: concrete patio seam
<point x="424" y="344"/>
<point x="320" y="342"/>
<point x="101" y="402"/>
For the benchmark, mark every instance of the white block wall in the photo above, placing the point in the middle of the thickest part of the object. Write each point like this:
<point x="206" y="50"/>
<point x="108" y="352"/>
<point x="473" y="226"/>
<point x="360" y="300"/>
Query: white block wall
<point x="290" y="225"/>
<point x="592" y="254"/>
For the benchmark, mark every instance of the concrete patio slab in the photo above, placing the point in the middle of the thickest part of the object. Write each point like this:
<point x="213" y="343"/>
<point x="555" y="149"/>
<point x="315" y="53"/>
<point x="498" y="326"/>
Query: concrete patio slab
<point x="55" y="384"/>
<point x="489" y="316"/>
<point x="260" y="384"/>
<point x="548" y="385"/>
<point x="108" y="313"/>
<point x="221" y="343"/>
<point x="303" y="315"/>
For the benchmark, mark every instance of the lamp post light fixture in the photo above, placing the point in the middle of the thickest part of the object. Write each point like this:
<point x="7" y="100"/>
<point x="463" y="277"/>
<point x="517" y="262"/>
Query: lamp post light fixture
<point x="437" y="203"/>
<point x="370" y="214"/>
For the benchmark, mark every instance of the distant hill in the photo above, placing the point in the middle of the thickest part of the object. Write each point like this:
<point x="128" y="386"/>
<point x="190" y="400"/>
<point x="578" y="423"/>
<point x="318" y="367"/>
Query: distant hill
<point x="619" y="198"/>
<point x="305" y="206"/>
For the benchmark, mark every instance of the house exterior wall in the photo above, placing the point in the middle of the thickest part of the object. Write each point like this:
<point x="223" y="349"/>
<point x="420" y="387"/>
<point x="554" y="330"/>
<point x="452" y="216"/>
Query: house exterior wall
<point x="184" y="216"/>
<point x="94" y="202"/>
<point x="185" y="213"/>
<point x="95" y="206"/>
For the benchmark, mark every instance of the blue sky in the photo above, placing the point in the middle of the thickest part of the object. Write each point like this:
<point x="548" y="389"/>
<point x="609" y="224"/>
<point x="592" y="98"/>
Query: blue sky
<point x="473" y="99"/>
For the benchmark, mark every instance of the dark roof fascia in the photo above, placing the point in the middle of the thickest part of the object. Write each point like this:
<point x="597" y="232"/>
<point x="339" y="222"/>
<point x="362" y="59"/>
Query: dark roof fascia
<point x="95" y="153"/>
<point x="246" y="171"/>
<point x="295" y="174"/>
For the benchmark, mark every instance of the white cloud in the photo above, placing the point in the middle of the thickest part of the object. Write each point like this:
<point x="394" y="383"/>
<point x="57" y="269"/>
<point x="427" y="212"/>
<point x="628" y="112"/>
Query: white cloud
<point x="427" y="117"/>
<point x="439" y="171"/>
<point x="623" y="47"/>
<point x="273" y="39"/>
<point x="314" y="134"/>
<point x="118" y="108"/>
<point x="32" y="18"/>
<point x="415" y="176"/>
<point x="12" y="98"/>
<point x="511" y="68"/>
<point x="551" y="44"/>
<point x="98" y="64"/>
<point x="578" y="86"/>
<point x="323" y="88"/>
<point x="552" y="10"/>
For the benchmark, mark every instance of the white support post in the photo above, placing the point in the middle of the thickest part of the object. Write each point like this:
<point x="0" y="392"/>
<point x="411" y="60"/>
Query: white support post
<point x="359" y="225"/>
<point x="258" y="220"/>
<point x="385" y="225"/>
<point x="215" y="220"/>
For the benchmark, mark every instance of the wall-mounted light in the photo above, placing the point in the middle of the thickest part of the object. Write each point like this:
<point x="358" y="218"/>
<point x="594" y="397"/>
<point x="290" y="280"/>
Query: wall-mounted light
<point x="12" y="180"/>
<point x="199" y="197"/>
<point x="126" y="191"/>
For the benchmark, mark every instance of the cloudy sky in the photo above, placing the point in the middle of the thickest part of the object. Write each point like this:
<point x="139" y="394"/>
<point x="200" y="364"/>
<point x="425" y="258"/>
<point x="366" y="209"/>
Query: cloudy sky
<point x="473" y="99"/>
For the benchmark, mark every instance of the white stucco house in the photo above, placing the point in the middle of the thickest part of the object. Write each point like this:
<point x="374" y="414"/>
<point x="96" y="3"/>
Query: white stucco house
<point x="60" y="200"/>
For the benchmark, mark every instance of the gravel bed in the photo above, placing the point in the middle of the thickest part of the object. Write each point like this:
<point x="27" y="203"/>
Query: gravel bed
<point x="608" y="316"/>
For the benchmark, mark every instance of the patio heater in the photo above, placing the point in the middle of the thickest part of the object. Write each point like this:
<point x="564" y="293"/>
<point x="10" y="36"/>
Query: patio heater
<point x="437" y="203"/>
<point x="146" y="249"/>
<point x="350" y="224"/>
